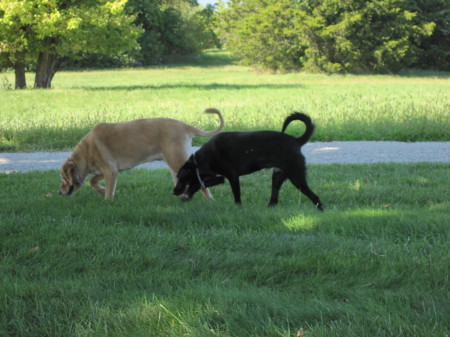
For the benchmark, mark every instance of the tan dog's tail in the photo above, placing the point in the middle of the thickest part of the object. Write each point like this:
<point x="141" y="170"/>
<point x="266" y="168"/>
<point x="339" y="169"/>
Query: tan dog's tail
<point x="203" y="133"/>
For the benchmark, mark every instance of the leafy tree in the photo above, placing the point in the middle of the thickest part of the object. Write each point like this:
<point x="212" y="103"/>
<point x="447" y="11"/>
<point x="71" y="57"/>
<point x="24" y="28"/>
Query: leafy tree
<point x="18" y="42"/>
<point x="201" y="28"/>
<point x="361" y="36"/>
<point x="47" y="30"/>
<point x="171" y="28"/>
<point x="329" y="35"/>
<point x="174" y="34"/>
<point x="149" y="16"/>
<point x="261" y="33"/>
<point x="436" y="47"/>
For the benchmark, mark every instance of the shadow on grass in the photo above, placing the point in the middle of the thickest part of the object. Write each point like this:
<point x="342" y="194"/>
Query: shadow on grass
<point x="211" y="58"/>
<point x="211" y="86"/>
<point x="424" y="73"/>
<point x="41" y="138"/>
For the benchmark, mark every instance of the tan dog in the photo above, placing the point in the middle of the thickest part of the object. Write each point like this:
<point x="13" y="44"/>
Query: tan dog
<point x="113" y="147"/>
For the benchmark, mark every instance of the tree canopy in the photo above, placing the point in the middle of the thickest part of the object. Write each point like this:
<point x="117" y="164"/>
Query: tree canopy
<point x="46" y="34"/>
<point x="171" y="29"/>
<point x="314" y="35"/>
<point x="338" y="36"/>
<point x="43" y="31"/>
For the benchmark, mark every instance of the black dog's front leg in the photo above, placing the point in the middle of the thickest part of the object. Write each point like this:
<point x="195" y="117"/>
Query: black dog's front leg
<point x="235" y="188"/>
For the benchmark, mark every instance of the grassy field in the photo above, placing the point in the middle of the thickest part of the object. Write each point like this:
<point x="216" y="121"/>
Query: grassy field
<point x="375" y="263"/>
<point x="345" y="107"/>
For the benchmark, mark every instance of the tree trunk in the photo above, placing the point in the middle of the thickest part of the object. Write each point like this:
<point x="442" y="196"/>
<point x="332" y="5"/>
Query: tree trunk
<point x="45" y="69"/>
<point x="19" y="70"/>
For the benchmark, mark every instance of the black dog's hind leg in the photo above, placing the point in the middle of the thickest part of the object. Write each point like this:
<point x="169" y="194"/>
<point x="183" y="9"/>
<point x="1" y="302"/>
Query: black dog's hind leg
<point x="278" y="178"/>
<point x="299" y="181"/>
<point x="312" y="196"/>
<point x="235" y="188"/>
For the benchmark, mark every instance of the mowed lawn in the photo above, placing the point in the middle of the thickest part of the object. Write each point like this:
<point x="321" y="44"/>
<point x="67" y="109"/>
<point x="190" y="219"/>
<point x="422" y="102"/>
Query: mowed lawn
<point x="375" y="263"/>
<point x="414" y="107"/>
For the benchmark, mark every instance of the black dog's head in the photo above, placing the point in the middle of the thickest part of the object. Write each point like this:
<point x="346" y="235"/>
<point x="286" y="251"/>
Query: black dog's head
<point x="188" y="183"/>
<point x="191" y="180"/>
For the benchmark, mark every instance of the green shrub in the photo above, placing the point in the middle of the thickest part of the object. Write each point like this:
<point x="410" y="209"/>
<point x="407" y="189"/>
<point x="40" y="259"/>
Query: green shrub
<point x="381" y="36"/>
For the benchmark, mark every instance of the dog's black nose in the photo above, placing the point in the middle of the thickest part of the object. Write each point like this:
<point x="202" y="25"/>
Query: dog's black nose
<point x="185" y="198"/>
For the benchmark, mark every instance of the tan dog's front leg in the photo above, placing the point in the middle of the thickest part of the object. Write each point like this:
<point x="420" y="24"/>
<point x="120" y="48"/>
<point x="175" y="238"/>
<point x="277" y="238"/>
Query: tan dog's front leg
<point x="110" y="181"/>
<point x="207" y="194"/>
<point x="95" y="183"/>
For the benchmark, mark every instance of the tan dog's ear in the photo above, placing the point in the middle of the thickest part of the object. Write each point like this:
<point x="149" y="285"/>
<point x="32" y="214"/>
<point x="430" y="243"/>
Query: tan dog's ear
<point x="70" y="178"/>
<point x="67" y="172"/>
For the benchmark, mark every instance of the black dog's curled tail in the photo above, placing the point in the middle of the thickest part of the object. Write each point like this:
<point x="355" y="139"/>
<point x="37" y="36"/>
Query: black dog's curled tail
<point x="298" y="116"/>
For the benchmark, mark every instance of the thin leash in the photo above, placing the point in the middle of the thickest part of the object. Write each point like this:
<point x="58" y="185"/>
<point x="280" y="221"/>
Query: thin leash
<point x="202" y="184"/>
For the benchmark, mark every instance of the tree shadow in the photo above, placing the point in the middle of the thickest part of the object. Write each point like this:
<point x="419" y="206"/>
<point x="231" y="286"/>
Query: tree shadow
<point x="211" y="58"/>
<point x="210" y="86"/>
<point x="424" y="73"/>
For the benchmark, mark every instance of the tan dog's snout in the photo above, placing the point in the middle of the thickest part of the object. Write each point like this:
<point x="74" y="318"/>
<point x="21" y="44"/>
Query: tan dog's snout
<point x="69" y="182"/>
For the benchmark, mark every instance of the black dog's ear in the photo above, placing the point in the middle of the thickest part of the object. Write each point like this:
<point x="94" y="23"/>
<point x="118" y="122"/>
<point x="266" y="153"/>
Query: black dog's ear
<point x="187" y="166"/>
<point x="213" y="180"/>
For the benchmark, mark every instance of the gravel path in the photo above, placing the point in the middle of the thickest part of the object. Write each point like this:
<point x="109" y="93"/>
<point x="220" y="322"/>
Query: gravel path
<point x="315" y="153"/>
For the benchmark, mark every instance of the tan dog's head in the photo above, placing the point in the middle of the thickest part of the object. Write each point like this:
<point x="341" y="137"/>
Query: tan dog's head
<point x="70" y="178"/>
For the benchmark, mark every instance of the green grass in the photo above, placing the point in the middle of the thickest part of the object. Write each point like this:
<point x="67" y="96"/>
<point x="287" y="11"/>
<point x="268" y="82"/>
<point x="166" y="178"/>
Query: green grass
<point x="376" y="263"/>
<point x="413" y="107"/>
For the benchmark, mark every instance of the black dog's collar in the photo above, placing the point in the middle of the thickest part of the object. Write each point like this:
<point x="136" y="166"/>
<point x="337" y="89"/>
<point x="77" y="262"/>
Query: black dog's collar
<point x="197" y="172"/>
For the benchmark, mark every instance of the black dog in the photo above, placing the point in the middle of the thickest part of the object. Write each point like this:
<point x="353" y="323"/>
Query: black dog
<point x="233" y="154"/>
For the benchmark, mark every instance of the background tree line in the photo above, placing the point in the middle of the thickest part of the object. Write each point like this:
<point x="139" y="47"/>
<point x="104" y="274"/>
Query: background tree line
<point x="315" y="35"/>
<point x="171" y="30"/>
<point x="46" y="35"/>
<point x="338" y="36"/>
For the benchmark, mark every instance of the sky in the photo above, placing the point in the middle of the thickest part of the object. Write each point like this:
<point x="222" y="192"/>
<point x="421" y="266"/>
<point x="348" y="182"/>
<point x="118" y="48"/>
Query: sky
<point x="205" y="2"/>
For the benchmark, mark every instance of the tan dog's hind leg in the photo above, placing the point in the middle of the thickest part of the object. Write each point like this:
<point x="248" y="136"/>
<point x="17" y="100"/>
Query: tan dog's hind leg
<point x="95" y="183"/>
